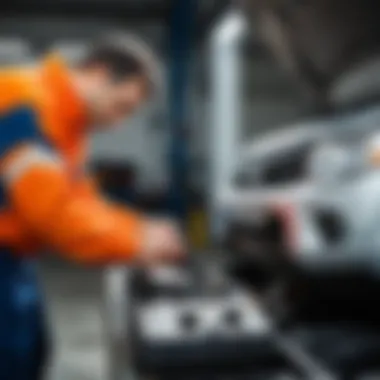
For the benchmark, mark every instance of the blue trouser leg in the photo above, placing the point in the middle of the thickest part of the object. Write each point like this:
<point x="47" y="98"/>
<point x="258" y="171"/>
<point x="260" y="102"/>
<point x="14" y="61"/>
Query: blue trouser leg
<point x="21" y="320"/>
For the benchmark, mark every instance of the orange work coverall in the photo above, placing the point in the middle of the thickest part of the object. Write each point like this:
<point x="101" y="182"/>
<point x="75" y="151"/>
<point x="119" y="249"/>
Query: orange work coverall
<point x="47" y="201"/>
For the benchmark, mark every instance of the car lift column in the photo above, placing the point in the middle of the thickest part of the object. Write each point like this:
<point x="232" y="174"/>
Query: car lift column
<point x="181" y="32"/>
<point x="225" y="112"/>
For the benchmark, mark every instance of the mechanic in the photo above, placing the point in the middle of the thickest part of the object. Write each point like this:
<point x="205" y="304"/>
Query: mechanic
<point x="48" y="201"/>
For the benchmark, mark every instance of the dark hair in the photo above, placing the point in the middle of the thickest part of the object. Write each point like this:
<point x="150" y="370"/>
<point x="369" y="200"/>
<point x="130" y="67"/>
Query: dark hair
<point x="125" y="56"/>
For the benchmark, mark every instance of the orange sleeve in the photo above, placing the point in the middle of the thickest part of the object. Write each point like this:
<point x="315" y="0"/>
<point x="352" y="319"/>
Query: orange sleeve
<point x="77" y="223"/>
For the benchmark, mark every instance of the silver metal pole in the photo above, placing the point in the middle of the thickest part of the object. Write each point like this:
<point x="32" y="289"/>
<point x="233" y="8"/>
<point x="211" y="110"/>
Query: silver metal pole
<point x="225" y="112"/>
<point x="117" y="298"/>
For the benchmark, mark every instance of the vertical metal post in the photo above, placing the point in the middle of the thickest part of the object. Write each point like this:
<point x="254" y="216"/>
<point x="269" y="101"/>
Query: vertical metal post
<point x="226" y="112"/>
<point x="117" y="305"/>
<point x="182" y="23"/>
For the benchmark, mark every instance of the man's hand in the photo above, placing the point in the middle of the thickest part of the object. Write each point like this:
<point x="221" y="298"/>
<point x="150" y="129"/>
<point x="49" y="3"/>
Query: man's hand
<point x="163" y="243"/>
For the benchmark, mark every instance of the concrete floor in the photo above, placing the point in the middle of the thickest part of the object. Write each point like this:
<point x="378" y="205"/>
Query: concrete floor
<point x="75" y="309"/>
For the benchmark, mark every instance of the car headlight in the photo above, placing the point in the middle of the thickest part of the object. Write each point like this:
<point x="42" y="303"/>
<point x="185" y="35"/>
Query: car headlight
<point x="333" y="163"/>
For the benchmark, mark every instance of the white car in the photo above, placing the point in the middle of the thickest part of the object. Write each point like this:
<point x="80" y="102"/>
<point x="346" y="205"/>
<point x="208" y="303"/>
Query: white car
<point x="317" y="186"/>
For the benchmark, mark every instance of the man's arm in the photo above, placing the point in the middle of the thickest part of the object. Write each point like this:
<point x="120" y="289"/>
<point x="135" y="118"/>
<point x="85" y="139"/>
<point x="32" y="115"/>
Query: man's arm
<point x="79" y="224"/>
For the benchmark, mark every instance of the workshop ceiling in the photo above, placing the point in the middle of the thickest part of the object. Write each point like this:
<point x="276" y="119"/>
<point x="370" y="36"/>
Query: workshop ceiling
<point x="127" y="9"/>
<point x="123" y="9"/>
